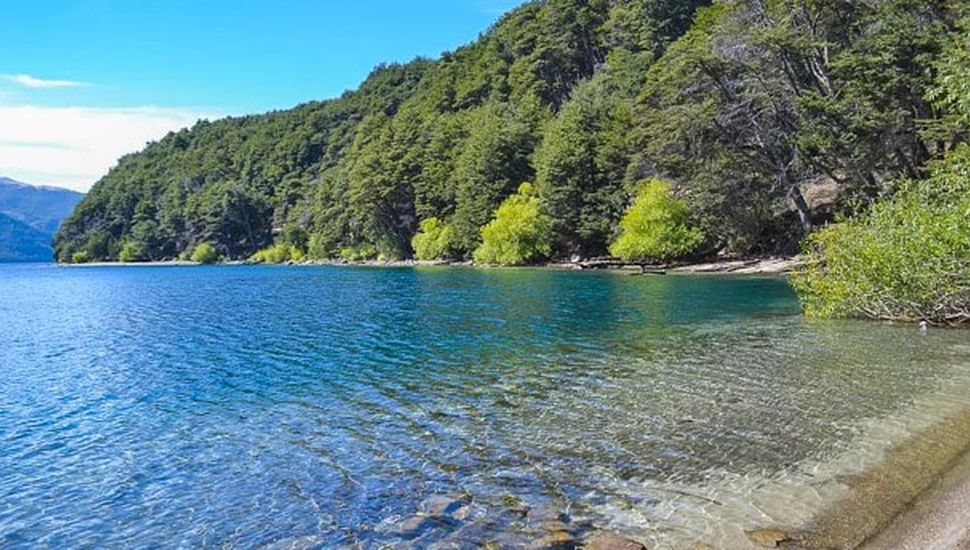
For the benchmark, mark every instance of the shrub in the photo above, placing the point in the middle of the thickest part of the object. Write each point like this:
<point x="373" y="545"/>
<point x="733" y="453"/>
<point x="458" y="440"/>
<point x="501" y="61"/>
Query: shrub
<point x="359" y="253"/>
<point x="908" y="259"/>
<point x="317" y="248"/>
<point x="205" y="253"/>
<point x="131" y="252"/>
<point x="296" y="236"/>
<point x="519" y="234"/>
<point x="80" y="257"/>
<point x="434" y="241"/>
<point x="655" y="227"/>
<point x="278" y="253"/>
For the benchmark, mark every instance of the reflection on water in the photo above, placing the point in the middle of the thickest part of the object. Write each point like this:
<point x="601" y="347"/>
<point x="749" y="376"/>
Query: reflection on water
<point x="241" y="406"/>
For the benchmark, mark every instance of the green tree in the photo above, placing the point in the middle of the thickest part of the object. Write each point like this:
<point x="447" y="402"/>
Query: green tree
<point x="519" y="234"/>
<point x="131" y="252"/>
<point x="80" y="257"/>
<point x="656" y="226"/>
<point x="278" y="253"/>
<point x="581" y="167"/>
<point x="493" y="161"/>
<point x="435" y="240"/>
<point x="905" y="260"/>
<point x="205" y="253"/>
<point x="951" y="89"/>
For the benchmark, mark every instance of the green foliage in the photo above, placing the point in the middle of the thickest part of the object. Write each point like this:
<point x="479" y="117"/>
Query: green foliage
<point x="434" y="241"/>
<point x="951" y="89"/>
<point x="131" y="252"/>
<point x="656" y="227"/>
<point x="278" y="253"/>
<point x="359" y="253"/>
<point x="742" y="104"/>
<point x="519" y="234"/>
<point x="492" y="162"/>
<point x="449" y="139"/>
<point x="905" y="260"/>
<point x="205" y="253"/>
<point x="80" y="257"/>
<point x="581" y="167"/>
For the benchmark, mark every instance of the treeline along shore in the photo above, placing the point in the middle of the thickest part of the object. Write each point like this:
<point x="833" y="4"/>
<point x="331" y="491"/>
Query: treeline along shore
<point x="646" y="130"/>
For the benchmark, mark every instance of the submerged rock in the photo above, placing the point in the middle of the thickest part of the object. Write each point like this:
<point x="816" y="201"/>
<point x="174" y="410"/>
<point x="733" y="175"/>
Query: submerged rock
<point x="556" y="539"/>
<point x="555" y="526"/>
<point x="439" y="505"/>
<point x="612" y="541"/>
<point x="768" y="538"/>
<point x="544" y="514"/>
<point x="417" y="525"/>
<point x="307" y="542"/>
<point x="471" y="535"/>
<point x="462" y="513"/>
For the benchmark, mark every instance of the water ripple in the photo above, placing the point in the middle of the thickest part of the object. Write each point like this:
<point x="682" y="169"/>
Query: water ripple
<point x="242" y="406"/>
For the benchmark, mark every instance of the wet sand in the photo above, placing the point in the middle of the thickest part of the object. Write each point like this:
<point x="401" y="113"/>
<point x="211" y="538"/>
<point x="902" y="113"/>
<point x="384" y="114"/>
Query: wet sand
<point x="939" y="519"/>
<point x="918" y="498"/>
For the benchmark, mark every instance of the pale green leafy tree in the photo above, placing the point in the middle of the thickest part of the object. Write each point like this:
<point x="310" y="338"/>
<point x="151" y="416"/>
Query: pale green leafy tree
<point x="656" y="226"/>
<point x="205" y="253"/>
<point x="435" y="240"/>
<point x="519" y="234"/>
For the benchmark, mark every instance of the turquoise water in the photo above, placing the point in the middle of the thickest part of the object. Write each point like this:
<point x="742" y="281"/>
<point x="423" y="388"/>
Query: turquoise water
<point x="241" y="406"/>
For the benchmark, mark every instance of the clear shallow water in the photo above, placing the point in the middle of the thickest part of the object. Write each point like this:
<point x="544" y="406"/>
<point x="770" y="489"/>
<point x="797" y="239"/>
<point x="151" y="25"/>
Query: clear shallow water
<point x="241" y="406"/>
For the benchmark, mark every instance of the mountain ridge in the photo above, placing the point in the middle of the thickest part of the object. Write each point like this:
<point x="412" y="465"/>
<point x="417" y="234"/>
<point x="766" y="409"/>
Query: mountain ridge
<point x="31" y="214"/>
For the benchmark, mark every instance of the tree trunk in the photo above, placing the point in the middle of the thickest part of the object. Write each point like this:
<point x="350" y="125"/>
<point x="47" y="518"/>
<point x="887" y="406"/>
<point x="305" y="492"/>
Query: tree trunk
<point x="804" y="213"/>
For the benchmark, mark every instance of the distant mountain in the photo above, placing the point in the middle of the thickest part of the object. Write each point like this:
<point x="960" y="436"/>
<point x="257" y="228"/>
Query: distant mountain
<point x="29" y="217"/>
<point x="20" y="242"/>
<point x="42" y="208"/>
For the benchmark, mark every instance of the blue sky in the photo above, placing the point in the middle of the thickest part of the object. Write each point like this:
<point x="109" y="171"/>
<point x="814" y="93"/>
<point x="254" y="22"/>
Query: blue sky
<point x="84" y="81"/>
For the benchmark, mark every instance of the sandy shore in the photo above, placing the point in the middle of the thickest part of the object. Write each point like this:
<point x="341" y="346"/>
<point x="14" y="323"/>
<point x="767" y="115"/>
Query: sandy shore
<point x="761" y="266"/>
<point x="938" y="519"/>
<point x="918" y="498"/>
<point x="165" y="263"/>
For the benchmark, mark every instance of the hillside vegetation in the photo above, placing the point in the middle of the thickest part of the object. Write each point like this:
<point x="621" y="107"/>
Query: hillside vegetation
<point x="907" y="258"/>
<point x="735" y="109"/>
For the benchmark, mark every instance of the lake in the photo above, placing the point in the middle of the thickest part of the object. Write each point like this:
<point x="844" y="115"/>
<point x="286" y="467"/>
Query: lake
<point x="242" y="406"/>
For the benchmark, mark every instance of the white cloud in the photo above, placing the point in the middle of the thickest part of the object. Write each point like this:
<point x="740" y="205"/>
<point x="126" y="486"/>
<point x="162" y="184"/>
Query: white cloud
<point x="28" y="81"/>
<point x="74" y="146"/>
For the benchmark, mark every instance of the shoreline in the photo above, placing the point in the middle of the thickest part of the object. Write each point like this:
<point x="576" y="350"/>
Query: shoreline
<point x="750" y="266"/>
<point x="938" y="518"/>
<point x="917" y="497"/>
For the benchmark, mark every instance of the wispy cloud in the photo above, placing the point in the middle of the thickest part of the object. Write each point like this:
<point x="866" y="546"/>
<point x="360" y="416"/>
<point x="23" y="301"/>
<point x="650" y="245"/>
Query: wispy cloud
<point x="28" y="81"/>
<point x="74" y="146"/>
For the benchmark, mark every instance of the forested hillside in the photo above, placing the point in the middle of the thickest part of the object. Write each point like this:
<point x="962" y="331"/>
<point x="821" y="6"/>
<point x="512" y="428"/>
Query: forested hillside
<point x="743" y="109"/>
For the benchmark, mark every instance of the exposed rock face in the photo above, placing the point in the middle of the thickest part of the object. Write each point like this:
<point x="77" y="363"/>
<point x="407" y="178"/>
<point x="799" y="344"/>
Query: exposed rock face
<point x="612" y="541"/>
